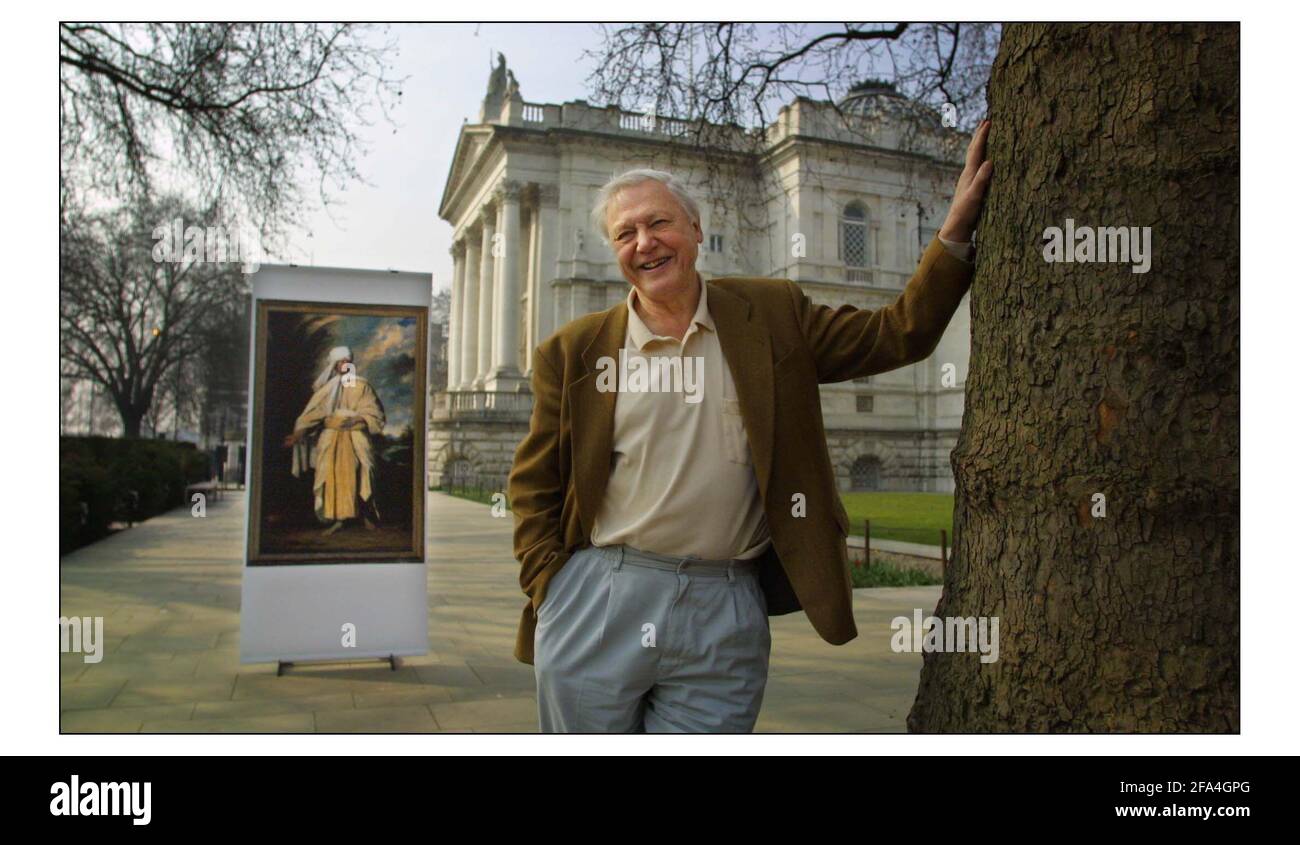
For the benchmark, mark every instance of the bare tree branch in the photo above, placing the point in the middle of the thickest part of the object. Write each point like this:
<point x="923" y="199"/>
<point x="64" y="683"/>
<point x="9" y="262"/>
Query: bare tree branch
<point x="232" y="113"/>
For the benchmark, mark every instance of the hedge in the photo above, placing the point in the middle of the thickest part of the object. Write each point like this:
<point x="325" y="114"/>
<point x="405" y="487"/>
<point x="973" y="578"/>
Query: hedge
<point x="104" y="480"/>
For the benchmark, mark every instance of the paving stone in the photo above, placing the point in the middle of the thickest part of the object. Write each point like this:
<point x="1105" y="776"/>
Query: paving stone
<point x="450" y="675"/>
<point x="88" y="695"/>
<point x="119" y="719"/>
<point x="807" y="714"/>
<point x="287" y="686"/>
<point x="393" y="697"/>
<point x="485" y="713"/>
<point x="252" y="707"/>
<point x="284" y="723"/>
<point x="500" y="675"/>
<point x="138" y="693"/>
<point x="411" y="719"/>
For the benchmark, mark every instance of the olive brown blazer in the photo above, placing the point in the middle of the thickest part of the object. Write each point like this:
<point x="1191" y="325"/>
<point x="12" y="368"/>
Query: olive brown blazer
<point x="779" y="347"/>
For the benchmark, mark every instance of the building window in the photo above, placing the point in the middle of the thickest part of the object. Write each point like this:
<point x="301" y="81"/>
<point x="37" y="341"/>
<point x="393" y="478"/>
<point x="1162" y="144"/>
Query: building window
<point x="715" y="243"/>
<point x="866" y="404"/>
<point x="865" y="474"/>
<point x="853" y="239"/>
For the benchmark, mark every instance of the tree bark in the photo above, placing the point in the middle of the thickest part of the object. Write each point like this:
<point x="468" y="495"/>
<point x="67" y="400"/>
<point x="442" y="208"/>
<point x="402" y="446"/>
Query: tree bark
<point x="1088" y="378"/>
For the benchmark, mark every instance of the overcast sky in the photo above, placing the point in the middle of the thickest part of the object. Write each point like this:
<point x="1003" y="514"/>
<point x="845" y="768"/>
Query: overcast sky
<point x="393" y="222"/>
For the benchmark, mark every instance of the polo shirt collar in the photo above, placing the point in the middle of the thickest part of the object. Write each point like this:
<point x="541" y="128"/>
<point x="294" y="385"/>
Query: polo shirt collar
<point x="640" y="333"/>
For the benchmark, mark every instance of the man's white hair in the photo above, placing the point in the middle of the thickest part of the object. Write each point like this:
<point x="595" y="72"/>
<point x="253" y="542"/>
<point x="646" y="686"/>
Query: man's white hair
<point x="637" y="177"/>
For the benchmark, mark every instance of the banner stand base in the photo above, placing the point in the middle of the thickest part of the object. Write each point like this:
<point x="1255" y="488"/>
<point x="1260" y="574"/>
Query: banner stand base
<point x="283" y="666"/>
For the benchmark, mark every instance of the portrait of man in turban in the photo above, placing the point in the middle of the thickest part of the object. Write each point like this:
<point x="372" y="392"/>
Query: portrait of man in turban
<point x="342" y="414"/>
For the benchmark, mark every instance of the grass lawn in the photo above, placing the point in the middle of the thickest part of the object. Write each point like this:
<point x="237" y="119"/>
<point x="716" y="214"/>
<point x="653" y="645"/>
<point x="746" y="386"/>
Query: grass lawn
<point x="909" y="517"/>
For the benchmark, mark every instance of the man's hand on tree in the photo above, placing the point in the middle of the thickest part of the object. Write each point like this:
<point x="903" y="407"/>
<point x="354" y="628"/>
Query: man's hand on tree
<point x="971" y="187"/>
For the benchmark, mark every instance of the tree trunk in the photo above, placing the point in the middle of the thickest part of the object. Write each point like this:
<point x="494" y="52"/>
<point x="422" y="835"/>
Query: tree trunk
<point x="1088" y="378"/>
<point x="132" y="415"/>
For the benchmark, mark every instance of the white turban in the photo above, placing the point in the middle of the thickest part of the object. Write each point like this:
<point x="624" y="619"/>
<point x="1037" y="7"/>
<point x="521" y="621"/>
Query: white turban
<point x="337" y="354"/>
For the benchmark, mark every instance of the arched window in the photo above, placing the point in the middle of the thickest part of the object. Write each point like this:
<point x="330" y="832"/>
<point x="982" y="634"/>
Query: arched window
<point x="853" y="241"/>
<point x="456" y="472"/>
<point x="865" y="474"/>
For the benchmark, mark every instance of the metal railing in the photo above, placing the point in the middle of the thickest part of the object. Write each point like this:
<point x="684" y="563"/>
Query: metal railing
<point x="477" y="486"/>
<point x="920" y="536"/>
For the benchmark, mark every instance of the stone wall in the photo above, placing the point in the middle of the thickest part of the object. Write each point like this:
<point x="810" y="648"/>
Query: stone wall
<point x="908" y="461"/>
<point x="487" y="448"/>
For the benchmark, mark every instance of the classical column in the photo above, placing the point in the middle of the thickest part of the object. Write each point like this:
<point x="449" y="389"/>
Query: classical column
<point x="498" y="250"/>
<point x="548" y="253"/>
<point x="487" y="264"/>
<point x="469" y="314"/>
<point x="454" y="317"/>
<point x="505" y="371"/>
<point x="528" y="318"/>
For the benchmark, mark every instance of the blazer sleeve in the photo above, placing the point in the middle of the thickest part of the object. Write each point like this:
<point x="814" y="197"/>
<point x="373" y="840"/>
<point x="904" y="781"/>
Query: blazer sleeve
<point x="536" y="485"/>
<point x="848" y="342"/>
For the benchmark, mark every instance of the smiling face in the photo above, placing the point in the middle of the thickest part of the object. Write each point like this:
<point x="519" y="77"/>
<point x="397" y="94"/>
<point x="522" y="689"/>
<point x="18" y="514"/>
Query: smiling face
<point x="655" y="240"/>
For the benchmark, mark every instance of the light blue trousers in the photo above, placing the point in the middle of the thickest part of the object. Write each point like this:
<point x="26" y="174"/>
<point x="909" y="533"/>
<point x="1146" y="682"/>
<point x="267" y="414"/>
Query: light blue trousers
<point x="629" y="641"/>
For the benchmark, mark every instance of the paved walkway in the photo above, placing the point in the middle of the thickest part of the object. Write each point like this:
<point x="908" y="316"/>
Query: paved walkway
<point x="168" y="590"/>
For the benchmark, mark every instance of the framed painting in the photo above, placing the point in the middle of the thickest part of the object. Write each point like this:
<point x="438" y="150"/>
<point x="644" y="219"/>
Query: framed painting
<point x="338" y="434"/>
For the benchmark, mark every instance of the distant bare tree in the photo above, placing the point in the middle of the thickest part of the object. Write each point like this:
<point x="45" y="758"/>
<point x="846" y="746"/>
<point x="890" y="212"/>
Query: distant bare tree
<point x="439" y="317"/>
<point x="440" y="308"/>
<point x="233" y="111"/>
<point x="127" y="320"/>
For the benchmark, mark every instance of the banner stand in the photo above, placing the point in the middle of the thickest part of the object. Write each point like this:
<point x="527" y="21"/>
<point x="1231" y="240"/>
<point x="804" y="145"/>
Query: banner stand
<point x="296" y="602"/>
<point x="283" y="666"/>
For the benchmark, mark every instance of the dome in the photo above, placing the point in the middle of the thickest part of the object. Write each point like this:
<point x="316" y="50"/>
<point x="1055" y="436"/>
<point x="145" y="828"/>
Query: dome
<point x="871" y="98"/>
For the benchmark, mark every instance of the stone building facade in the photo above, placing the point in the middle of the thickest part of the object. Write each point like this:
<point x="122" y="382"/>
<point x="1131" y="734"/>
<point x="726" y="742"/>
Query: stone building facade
<point x="839" y="198"/>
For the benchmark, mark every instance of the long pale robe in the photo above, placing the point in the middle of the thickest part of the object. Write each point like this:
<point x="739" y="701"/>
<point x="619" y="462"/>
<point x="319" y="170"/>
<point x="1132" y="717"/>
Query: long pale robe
<point x="344" y="461"/>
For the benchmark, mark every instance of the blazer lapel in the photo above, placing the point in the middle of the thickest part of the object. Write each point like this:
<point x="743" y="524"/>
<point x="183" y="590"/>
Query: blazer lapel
<point x="592" y="415"/>
<point x="748" y="350"/>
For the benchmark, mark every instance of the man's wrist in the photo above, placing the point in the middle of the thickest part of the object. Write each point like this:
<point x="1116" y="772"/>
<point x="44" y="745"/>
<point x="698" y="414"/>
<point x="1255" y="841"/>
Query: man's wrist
<point x="955" y="234"/>
<point x="957" y="249"/>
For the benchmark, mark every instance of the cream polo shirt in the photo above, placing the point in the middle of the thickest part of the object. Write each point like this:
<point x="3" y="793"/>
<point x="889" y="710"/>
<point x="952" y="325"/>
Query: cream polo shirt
<point x="681" y="478"/>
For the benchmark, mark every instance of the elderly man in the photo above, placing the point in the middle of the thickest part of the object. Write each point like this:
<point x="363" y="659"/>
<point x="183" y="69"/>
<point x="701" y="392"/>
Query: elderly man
<point x="657" y="535"/>
<point x="342" y="409"/>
